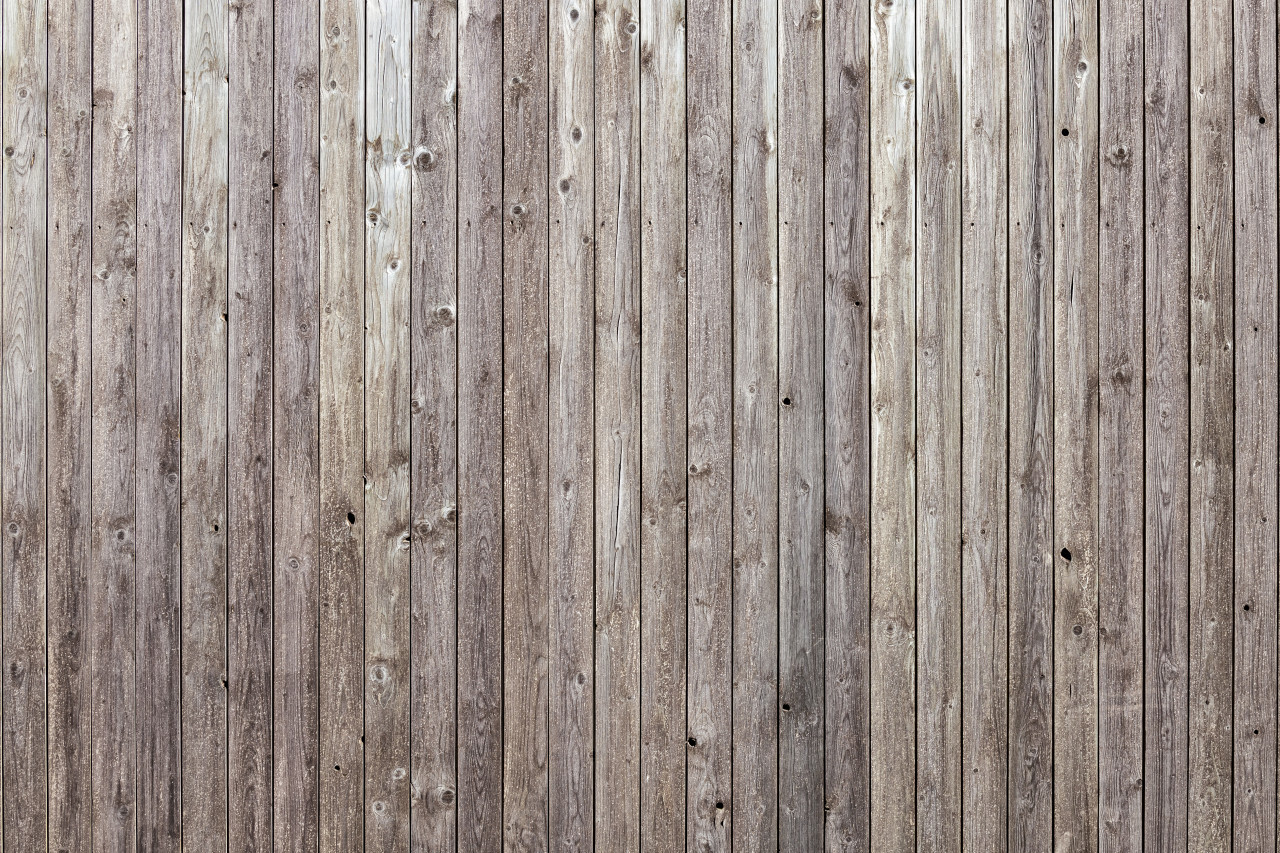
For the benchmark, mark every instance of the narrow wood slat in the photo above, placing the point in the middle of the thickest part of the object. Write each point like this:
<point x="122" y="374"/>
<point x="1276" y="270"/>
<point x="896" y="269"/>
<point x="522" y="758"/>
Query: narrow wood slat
<point x="161" y="231"/>
<point x="571" y="141"/>
<point x="893" y="418"/>
<point x="847" y="440"/>
<point x="1167" y="464"/>
<point x="984" y="384"/>
<point x="388" y="262"/>
<point x="801" y="490"/>
<point x="112" y="571"/>
<point x="663" y="606"/>
<point x="480" y="427"/>
<point x="1211" y="633"/>
<point x="617" y="416"/>
<point x="249" y="431"/>
<point x="22" y="424"/>
<point x="434" y="434"/>
<point x="1254" y="451"/>
<point x="68" y="289"/>
<point x="755" y="426"/>
<point x="296" y="374"/>
<point x="709" y="234"/>
<point x="342" y="416"/>
<point x="1120" y="426"/>
<point x="938" y="233"/>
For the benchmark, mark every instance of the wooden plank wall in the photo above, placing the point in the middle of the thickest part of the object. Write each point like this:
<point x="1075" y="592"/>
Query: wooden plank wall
<point x="530" y="425"/>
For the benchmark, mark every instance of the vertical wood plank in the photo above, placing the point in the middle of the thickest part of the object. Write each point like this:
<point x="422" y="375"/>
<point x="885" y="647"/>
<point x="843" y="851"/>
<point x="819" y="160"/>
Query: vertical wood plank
<point x="893" y="433"/>
<point x="1254" y="451"/>
<point x="571" y="141"/>
<point x="1120" y="426"/>
<point x="617" y="414"/>
<point x="388" y="262"/>
<point x="847" y="440"/>
<point x="249" y="429"/>
<point x="22" y="424"/>
<point x="480" y="426"/>
<point x="938" y="233"/>
<point x="1211" y="643"/>
<point x="755" y="425"/>
<point x="112" y="573"/>
<point x="1031" y="424"/>
<point x="433" y="424"/>
<point x="525" y="415"/>
<point x="342" y="417"/>
<point x="663" y="604"/>
<point x="800" y="427"/>
<point x="159" y="419"/>
<point x="296" y="374"/>
<point x="984" y="383"/>
<point x="70" y="592"/>
<point x="1167" y="470"/>
<point x="709" y="236"/>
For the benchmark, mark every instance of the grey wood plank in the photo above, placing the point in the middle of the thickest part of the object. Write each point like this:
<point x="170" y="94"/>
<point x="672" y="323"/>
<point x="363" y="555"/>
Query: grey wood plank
<point x="159" y="417"/>
<point x="893" y="435"/>
<point x="69" y="243"/>
<point x="1167" y="440"/>
<point x="571" y="495"/>
<point x="847" y="440"/>
<point x="387" y="366"/>
<point x="296" y="373"/>
<point x="250" y="423"/>
<point x="525" y="201"/>
<point x="480" y="427"/>
<point x="1031" y="424"/>
<point x="433" y="425"/>
<point x="709" y="488"/>
<point x="1211" y="633"/>
<point x="938" y="595"/>
<point x="1120" y="426"/>
<point x="755" y="426"/>
<point x="984" y="403"/>
<point x="1075" y="429"/>
<point x="112" y="569"/>
<point x="801" y="656"/>
<point x="341" y="432"/>
<point x="617" y="415"/>
<point x="22" y="424"/>
<point x="1254" y="451"/>
<point x="663" y="603"/>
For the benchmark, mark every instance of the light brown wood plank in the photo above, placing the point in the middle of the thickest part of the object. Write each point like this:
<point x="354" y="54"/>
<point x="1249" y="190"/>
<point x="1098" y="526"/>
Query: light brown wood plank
<point x="617" y="415"/>
<point x="1255" y="424"/>
<point x="847" y="443"/>
<point x="938" y="595"/>
<point x="984" y="403"/>
<point x="1167" y="439"/>
<point x="434" y="432"/>
<point x="709" y="235"/>
<point x="296" y="373"/>
<point x="755" y="426"/>
<point x="342" y="416"/>
<point x="663" y="603"/>
<point x="1211" y="636"/>
<point x="250" y="424"/>
<point x="69" y="244"/>
<point x="571" y="141"/>
<point x="480" y="427"/>
<point x="388" y="262"/>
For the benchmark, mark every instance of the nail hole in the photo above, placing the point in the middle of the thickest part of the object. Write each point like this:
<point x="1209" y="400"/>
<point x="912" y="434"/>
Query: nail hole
<point x="1066" y="555"/>
<point x="693" y="741"/>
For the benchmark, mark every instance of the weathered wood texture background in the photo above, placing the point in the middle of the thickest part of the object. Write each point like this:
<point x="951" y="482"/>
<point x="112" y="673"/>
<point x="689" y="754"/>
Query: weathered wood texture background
<point x="672" y="425"/>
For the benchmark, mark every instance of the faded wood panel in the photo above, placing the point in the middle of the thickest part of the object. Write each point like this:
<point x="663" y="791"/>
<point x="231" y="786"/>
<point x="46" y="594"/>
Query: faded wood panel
<point x="22" y="424"/>
<point x="1254" y="450"/>
<point x="755" y="426"/>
